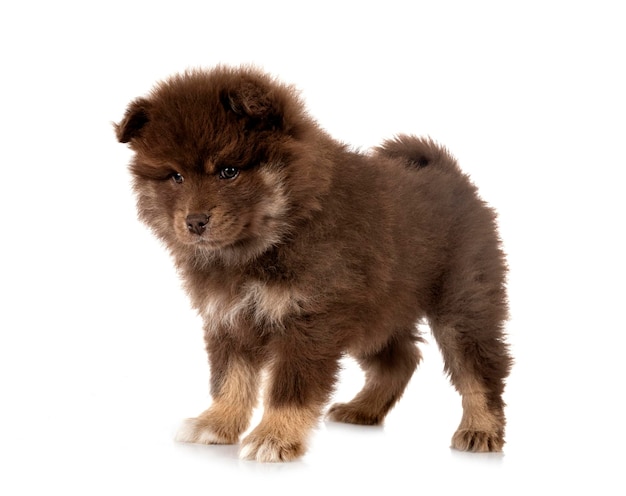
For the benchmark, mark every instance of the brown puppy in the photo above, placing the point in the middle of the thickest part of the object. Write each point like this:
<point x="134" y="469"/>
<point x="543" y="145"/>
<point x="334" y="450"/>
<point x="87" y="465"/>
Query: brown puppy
<point x="296" y="250"/>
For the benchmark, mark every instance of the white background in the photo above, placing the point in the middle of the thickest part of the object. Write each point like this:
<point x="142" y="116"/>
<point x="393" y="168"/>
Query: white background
<point x="100" y="354"/>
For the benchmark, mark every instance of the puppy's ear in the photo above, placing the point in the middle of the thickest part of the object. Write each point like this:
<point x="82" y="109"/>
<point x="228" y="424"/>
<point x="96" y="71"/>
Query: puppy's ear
<point x="260" y="104"/>
<point x="134" y="120"/>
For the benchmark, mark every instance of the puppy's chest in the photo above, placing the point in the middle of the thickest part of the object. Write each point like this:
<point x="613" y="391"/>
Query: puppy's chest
<point x="263" y="305"/>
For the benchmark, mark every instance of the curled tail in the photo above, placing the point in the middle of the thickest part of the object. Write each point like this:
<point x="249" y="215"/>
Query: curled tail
<point x="416" y="152"/>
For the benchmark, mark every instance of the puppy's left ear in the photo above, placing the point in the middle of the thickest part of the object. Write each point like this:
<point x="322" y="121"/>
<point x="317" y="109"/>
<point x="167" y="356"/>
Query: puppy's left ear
<point x="260" y="104"/>
<point x="135" y="118"/>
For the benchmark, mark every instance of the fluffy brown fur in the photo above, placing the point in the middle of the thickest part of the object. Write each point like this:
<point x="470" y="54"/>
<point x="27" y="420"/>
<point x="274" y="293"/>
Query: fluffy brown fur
<point x="296" y="251"/>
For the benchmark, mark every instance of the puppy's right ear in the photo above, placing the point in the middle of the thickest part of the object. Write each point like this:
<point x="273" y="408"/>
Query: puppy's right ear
<point x="254" y="100"/>
<point x="134" y="120"/>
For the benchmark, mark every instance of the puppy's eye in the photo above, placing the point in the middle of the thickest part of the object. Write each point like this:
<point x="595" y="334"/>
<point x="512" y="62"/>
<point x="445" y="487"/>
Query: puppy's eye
<point x="177" y="178"/>
<point x="229" y="172"/>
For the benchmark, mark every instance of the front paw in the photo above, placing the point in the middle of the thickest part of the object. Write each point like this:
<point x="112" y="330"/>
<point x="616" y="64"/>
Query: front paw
<point x="477" y="441"/>
<point x="270" y="449"/>
<point x="200" y="431"/>
<point x="281" y="436"/>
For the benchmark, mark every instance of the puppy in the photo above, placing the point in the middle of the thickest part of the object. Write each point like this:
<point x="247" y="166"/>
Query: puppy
<point x="296" y="250"/>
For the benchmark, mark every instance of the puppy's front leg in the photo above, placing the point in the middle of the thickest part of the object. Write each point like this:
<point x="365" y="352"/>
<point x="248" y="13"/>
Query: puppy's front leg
<point x="234" y="387"/>
<point x="301" y="378"/>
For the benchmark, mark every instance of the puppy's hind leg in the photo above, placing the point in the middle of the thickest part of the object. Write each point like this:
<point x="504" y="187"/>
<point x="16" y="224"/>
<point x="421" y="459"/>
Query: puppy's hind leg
<point x="477" y="360"/>
<point x="387" y="373"/>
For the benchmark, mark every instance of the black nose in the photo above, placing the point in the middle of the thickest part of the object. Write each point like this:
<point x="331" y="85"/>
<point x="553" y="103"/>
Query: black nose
<point x="196" y="223"/>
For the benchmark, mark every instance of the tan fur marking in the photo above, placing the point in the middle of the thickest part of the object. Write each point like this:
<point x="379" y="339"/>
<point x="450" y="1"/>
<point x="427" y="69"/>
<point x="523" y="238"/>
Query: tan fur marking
<point x="272" y="303"/>
<point x="267" y="305"/>
<point x="480" y="429"/>
<point x="281" y="435"/>
<point x="277" y="203"/>
<point x="230" y="413"/>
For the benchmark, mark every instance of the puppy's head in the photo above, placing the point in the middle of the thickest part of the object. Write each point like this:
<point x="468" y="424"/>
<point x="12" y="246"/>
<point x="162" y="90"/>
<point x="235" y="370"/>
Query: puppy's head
<point x="224" y="162"/>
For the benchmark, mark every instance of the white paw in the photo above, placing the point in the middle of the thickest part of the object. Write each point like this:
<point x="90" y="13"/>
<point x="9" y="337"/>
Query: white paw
<point x="192" y="431"/>
<point x="247" y="452"/>
<point x="270" y="450"/>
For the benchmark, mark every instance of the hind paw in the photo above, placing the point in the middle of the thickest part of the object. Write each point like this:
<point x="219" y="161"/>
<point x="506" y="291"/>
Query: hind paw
<point x="477" y="441"/>
<point x="349" y="414"/>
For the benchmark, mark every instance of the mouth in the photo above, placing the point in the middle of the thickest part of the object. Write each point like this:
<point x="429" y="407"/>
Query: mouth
<point x="199" y="240"/>
<point x="206" y="242"/>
